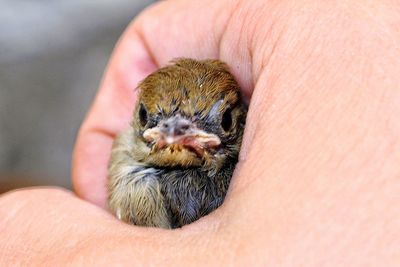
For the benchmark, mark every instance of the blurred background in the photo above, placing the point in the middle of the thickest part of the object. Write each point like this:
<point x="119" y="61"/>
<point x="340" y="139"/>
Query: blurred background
<point x="52" y="56"/>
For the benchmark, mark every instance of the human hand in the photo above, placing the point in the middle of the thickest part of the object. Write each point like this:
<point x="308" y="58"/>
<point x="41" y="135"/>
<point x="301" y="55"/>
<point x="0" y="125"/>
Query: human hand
<point x="318" y="176"/>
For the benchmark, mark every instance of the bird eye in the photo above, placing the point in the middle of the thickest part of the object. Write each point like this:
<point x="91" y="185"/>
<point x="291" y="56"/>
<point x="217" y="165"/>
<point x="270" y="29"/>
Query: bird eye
<point x="143" y="115"/>
<point x="226" y="121"/>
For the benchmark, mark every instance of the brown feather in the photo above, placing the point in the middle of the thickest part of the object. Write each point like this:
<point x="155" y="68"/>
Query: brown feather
<point x="173" y="186"/>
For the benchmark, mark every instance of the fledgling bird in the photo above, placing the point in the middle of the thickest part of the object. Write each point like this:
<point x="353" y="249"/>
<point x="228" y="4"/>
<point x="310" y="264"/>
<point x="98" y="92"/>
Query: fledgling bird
<point x="174" y="164"/>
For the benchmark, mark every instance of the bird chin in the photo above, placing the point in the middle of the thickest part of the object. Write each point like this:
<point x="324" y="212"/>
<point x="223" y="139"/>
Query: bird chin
<point x="174" y="155"/>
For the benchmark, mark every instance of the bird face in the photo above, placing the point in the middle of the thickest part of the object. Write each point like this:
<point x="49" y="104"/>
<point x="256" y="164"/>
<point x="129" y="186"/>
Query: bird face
<point x="190" y="114"/>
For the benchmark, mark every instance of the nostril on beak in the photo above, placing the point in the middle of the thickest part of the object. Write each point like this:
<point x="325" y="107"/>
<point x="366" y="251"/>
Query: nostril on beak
<point x="164" y="126"/>
<point x="185" y="127"/>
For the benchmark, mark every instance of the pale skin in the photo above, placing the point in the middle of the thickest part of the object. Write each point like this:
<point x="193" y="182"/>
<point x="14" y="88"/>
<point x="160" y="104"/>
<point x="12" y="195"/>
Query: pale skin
<point x="318" y="182"/>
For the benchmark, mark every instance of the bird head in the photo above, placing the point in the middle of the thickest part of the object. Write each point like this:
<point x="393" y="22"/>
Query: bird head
<point x="190" y="114"/>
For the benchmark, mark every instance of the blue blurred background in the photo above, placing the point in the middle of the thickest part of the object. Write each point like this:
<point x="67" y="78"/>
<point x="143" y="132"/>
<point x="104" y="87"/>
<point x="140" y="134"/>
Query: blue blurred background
<point x="52" y="56"/>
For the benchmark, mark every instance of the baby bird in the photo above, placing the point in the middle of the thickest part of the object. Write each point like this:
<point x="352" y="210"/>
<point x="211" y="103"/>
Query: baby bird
<point x="175" y="162"/>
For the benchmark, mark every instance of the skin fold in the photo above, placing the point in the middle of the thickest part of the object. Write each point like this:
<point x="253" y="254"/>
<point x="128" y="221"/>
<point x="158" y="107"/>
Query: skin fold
<point x="318" y="178"/>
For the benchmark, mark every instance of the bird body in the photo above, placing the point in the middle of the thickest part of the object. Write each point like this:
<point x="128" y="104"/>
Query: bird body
<point x="175" y="162"/>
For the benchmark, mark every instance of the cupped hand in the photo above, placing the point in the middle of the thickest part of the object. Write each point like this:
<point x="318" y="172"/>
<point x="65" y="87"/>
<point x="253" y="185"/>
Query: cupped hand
<point x="165" y="31"/>
<point x="317" y="181"/>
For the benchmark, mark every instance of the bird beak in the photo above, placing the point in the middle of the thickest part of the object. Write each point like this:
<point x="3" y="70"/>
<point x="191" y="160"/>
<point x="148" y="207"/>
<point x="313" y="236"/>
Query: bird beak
<point x="182" y="132"/>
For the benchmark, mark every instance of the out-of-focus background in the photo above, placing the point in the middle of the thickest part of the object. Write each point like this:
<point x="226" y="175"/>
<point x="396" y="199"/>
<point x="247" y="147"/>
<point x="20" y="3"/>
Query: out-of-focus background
<point x="52" y="56"/>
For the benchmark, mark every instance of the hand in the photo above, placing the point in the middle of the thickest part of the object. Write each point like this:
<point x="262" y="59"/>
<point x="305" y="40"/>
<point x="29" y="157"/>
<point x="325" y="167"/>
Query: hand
<point x="317" y="183"/>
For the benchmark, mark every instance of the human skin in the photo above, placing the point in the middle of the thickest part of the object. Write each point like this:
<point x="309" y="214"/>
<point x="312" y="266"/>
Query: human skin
<point x="318" y="181"/>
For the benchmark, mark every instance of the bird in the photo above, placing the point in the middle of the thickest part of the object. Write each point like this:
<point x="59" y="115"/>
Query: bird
<point x="174" y="162"/>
